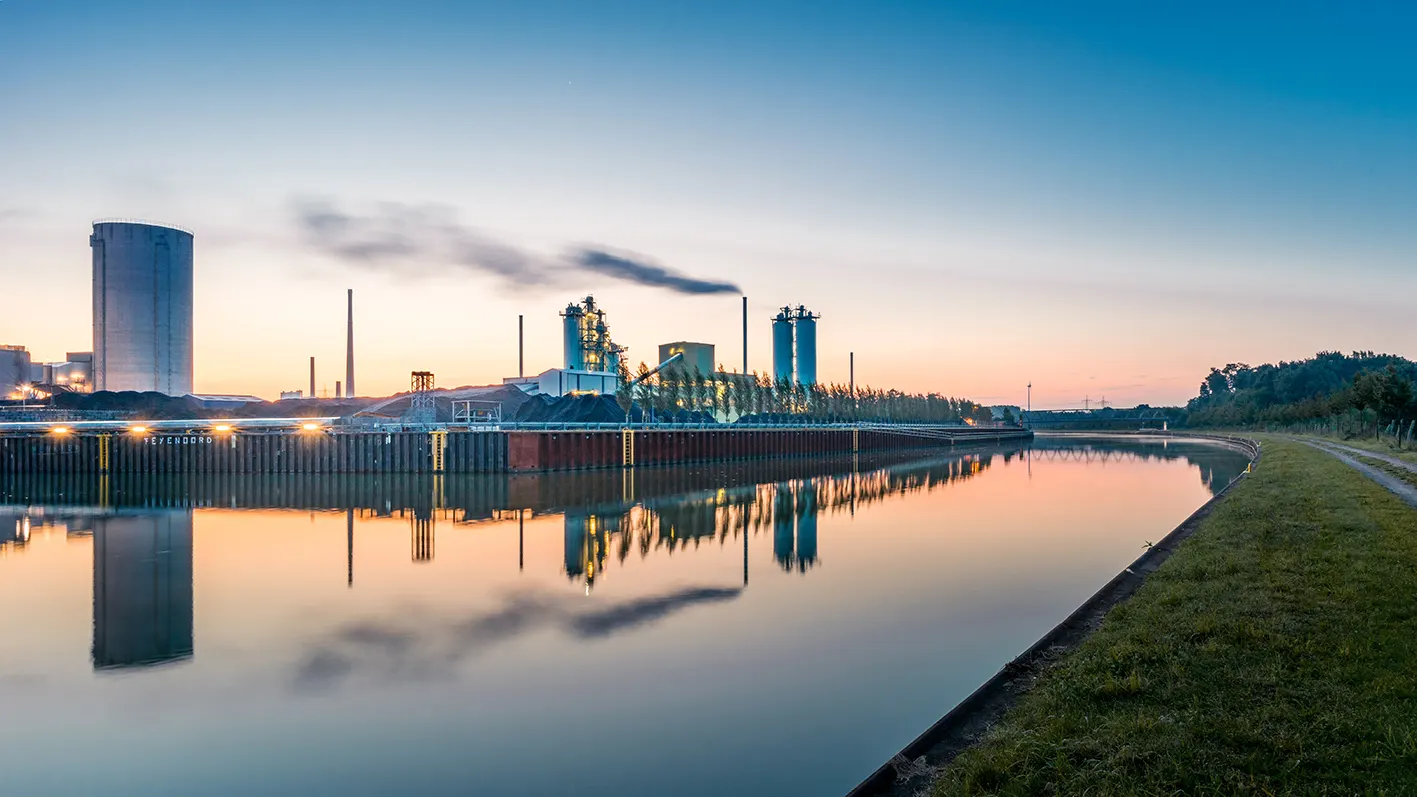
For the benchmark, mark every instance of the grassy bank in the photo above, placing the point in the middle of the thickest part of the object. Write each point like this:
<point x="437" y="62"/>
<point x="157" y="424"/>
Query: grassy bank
<point x="1272" y="654"/>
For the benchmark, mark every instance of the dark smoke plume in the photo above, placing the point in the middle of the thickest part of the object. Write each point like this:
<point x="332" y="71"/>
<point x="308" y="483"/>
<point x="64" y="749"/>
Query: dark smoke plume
<point x="646" y="273"/>
<point x="425" y="240"/>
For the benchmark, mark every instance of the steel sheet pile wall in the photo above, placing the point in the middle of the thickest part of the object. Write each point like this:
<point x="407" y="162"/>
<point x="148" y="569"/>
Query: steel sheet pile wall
<point x="48" y="454"/>
<point x="543" y="451"/>
<point x="461" y="451"/>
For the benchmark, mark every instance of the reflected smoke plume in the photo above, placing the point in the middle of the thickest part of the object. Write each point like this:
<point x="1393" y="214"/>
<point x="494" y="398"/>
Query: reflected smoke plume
<point x="397" y="649"/>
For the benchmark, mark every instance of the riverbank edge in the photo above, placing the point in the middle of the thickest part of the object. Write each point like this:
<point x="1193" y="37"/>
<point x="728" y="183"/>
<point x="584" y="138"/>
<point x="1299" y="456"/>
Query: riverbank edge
<point x="966" y="722"/>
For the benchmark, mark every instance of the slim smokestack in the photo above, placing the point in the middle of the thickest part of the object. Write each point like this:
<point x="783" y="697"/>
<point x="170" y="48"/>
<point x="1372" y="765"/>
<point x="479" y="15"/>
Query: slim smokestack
<point x="312" y="377"/>
<point x="349" y="349"/>
<point x="745" y="334"/>
<point x="521" y="348"/>
<point x="853" y="374"/>
<point x="339" y="392"/>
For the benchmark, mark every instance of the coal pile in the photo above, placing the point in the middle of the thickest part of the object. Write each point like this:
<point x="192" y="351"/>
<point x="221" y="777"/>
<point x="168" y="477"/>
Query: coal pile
<point x="156" y="406"/>
<point x="572" y="409"/>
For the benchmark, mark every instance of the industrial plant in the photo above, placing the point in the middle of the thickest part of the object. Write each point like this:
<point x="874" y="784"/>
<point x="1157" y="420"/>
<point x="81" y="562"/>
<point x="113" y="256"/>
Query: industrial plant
<point x="143" y="335"/>
<point x="593" y="362"/>
<point x="684" y="409"/>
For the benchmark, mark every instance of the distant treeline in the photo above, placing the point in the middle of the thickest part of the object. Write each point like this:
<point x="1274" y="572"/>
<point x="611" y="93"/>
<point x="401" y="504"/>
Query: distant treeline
<point x="1361" y="388"/>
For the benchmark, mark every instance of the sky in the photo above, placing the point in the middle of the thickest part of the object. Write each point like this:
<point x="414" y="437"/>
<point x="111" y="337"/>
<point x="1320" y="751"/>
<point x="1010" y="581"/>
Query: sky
<point x="1101" y="199"/>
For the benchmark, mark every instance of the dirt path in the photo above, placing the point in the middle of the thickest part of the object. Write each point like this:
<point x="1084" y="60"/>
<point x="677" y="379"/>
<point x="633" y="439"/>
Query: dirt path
<point x="1396" y="486"/>
<point x="1391" y="460"/>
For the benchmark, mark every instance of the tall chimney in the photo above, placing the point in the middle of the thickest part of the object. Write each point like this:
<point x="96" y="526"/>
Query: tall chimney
<point x="745" y="334"/>
<point x="349" y="350"/>
<point x="312" y="377"/>
<point x="339" y="392"/>
<point x="521" y="348"/>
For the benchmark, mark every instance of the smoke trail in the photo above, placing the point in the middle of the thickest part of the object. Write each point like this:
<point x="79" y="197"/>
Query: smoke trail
<point x="425" y="240"/>
<point x="415" y="241"/>
<point x="646" y="273"/>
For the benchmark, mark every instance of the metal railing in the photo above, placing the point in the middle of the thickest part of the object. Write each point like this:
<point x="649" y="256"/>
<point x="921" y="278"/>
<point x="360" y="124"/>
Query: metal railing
<point x="145" y="223"/>
<point x="229" y="424"/>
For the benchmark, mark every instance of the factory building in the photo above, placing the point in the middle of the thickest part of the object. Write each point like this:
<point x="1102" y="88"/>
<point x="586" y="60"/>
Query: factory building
<point x="142" y="307"/>
<point x="565" y="382"/>
<point x="142" y="589"/>
<point x="15" y="367"/>
<point x="21" y="377"/>
<point x="74" y="374"/>
<point x="697" y="356"/>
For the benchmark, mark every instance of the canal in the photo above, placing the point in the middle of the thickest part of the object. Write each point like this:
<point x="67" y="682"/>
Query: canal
<point x="775" y="627"/>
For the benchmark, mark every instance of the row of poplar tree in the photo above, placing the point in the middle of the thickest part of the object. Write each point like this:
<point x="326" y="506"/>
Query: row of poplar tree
<point x="731" y="396"/>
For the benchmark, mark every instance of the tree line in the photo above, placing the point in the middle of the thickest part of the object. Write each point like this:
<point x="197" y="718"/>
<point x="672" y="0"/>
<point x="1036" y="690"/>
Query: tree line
<point x="694" y="395"/>
<point x="1363" y="389"/>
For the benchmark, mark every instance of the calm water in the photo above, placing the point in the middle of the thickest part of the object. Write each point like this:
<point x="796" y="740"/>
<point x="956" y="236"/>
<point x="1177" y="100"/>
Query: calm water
<point x="773" y="628"/>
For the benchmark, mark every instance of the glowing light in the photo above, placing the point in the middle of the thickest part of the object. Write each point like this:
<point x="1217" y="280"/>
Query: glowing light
<point x="60" y="430"/>
<point x="310" y="427"/>
<point x="222" y="427"/>
<point x="138" y="429"/>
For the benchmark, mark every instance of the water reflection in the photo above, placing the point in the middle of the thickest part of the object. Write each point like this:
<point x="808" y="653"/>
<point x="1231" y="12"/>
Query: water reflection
<point x="142" y="533"/>
<point x="604" y="511"/>
<point x="1218" y="466"/>
<point x="142" y="589"/>
<point x="474" y="610"/>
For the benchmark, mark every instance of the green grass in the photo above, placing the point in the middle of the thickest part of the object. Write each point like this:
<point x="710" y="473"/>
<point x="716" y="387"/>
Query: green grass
<point x="1274" y="653"/>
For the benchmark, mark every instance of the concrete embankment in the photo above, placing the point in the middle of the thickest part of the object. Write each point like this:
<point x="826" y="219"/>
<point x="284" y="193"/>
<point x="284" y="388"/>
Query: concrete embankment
<point x="967" y="721"/>
<point x="322" y="449"/>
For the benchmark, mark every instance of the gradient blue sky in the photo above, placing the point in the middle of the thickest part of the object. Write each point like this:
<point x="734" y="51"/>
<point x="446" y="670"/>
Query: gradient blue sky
<point x="1102" y="198"/>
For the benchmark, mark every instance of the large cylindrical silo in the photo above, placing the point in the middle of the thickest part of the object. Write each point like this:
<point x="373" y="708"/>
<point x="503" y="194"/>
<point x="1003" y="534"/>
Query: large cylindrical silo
<point x="142" y="307"/>
<point x="782" y="347"/>
<point x="806" y="347"/>
<point x="571" y="336"/>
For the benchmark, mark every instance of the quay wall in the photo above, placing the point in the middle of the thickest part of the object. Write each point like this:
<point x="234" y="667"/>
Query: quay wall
<point x="447" y="451"/>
